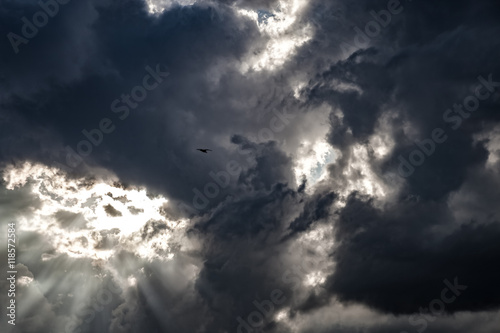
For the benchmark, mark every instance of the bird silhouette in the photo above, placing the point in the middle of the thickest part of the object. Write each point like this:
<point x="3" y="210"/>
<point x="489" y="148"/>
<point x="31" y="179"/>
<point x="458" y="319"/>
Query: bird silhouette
<point x="204" y="150"/>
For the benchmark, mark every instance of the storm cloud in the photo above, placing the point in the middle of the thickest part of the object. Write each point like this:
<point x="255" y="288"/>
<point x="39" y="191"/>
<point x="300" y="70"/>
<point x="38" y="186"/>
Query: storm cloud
<point x="352" y="183"/>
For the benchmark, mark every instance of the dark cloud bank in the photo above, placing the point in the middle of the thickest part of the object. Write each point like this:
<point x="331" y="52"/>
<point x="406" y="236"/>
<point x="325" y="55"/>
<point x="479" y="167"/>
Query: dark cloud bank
<point x="391" y="253"/>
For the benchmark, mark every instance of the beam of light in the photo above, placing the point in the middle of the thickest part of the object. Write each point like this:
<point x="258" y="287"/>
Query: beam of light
<point x="88" y="233"/>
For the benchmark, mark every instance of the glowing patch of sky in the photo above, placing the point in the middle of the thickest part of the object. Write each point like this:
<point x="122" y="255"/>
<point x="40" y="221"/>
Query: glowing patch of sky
<point x="158" y="6"/>
<point x="284" y="35"/>
<point x="279" y="26"/>
<point x="100" y="217"/>
<point x="314" y="157"/>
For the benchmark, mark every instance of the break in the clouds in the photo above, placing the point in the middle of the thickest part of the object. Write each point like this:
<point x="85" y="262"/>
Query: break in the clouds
<point x="352" y="182"/>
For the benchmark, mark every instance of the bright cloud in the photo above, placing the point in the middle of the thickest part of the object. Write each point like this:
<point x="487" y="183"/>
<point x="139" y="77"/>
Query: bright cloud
<point x="283" y="32"/>
<point x="313" y="159"/>
<point x="95" y="217"/>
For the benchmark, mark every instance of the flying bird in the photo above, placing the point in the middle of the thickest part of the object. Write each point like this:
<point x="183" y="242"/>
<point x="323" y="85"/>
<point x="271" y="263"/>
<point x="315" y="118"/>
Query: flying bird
<point x="204" y="150"/>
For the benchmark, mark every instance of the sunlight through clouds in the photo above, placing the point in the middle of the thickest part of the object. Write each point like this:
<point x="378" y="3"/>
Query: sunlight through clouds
<point x="280" y="27"/>
<point x="95" y="217"/>
<point x="312" y="162"/>
<point x="362" y="178"/>
<point x="222" y="166"/>
<point x="284" y="35"/>
<point x="158" y="6"/>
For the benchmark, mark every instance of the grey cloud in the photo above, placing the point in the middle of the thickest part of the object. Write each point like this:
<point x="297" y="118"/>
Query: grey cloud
<point x="390" y="253"/>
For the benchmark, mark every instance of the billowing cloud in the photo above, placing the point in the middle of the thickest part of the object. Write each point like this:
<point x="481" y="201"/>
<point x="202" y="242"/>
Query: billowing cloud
<point x="352" y="182"/>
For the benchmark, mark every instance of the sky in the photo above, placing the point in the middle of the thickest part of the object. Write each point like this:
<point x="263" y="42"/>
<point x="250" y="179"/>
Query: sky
<point x="352" y="184"/>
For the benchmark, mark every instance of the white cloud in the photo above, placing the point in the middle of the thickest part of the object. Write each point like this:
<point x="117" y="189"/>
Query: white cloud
<point x="158" y="6"/>
<point x="312" y="161"/>
<point x="283" y="33"/>
<point x="95" y="218"/>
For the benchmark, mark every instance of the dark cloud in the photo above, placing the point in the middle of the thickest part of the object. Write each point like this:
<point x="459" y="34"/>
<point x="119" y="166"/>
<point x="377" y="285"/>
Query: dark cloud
<point x="70" y="220"/>
<point x="112" y="211"/>
<point x="314" y="210"/>
<point x="402" y="250"/>
<point x="388" y="242"/>
<point x="404" y="256"/>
